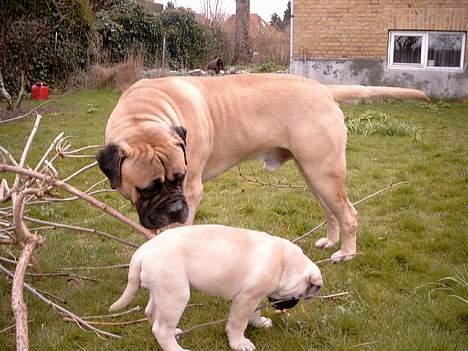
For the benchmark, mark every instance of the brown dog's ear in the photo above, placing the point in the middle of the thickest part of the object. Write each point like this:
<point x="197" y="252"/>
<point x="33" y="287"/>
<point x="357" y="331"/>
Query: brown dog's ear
<point x="110" y="161"/>
<point x="182" y="132"/>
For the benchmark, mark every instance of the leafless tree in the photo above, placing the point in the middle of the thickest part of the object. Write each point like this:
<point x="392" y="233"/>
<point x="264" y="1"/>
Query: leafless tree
<point x="212" y="12"/>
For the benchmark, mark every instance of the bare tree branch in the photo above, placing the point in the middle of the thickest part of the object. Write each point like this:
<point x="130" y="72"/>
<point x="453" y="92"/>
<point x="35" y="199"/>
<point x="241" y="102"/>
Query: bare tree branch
<point x="94" y="202"/>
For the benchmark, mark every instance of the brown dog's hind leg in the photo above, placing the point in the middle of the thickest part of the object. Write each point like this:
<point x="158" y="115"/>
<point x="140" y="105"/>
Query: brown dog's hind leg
<point x="329" y="187"/>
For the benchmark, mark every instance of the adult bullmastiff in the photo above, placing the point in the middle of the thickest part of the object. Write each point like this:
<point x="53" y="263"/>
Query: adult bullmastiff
<point x="167" y="136"/>
<point x="201" y="257"/>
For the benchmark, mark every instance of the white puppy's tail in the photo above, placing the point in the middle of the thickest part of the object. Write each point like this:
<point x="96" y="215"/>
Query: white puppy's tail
<point x="132" y="285"/>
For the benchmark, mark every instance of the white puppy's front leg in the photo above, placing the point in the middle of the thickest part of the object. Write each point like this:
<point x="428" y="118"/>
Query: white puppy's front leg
<point x="242" y="308"/>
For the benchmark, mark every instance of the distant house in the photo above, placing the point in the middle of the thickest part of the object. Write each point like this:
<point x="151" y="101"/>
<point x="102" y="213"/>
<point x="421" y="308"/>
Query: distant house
<point x="406" y="43"/>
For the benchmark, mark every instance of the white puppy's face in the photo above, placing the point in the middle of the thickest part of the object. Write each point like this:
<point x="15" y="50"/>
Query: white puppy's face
<point x="298" y="285"/>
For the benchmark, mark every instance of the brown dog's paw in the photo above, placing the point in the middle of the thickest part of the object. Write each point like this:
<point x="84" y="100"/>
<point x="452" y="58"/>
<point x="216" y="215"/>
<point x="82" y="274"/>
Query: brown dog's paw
<point x="324" y="243"/>
<point x="341" y="256"/>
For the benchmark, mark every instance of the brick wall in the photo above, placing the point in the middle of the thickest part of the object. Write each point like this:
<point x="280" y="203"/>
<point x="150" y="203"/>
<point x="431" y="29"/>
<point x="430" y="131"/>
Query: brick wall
<point x="359" y="28"/>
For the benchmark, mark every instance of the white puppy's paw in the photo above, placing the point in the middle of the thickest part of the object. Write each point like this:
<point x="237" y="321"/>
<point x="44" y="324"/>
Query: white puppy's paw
<point x="177" y="331"/>
<point x="324" y="243"/>
<point x="242" y="345"/>
<point x="262" y="322"/>
<point x="341" y="256"/>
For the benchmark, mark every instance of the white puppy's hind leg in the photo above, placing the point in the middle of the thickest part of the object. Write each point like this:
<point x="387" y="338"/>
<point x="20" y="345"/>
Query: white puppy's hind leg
<point x="150" y="310"/>
<point x="256" y="320"/>
<point x="167" y="316"/>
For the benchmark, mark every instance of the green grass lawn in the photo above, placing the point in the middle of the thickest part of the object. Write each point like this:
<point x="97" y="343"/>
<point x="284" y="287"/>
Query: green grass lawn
<point x="409" y="237"/>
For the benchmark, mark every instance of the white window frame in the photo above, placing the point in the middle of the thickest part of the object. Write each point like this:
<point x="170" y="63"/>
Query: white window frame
<point x="424" y="50"/>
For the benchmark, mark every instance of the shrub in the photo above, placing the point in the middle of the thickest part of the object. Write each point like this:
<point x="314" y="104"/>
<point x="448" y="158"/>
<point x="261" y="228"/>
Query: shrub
<point x="125" y="27"/>
<point x="380" y="123"/>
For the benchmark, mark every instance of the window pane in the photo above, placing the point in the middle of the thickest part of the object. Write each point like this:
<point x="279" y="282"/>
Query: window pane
<point x="407" y="49"/>
<point x="445" y="49"/>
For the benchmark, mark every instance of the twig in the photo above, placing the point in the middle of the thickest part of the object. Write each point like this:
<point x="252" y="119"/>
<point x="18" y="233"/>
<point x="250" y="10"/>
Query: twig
<point x="51" y="147"/>
<point x="124" y="265"/>
<point x="71" y="198"/>
<point x="52" y="296"/>
<point x="4" y="152"/>
<point x="379" y="192"/>
<point x="112" y="315"/>
<point x="334" y="259"/>
<point x="256" y="180"/>
<point x="345" y="293"/>
<point x="68" y="319"/>
<point x="59" y="308"/>
<point x="309" y="232"/>
<point x="202" y="325"/>
<point x="94" y="202"/>
<point x="262" y="306"/>
<point x="62" y="274"/>
<point x="364" y="344"/>
<point x="12" y="327"/>
<point x="27" y="147"/>
<point x="3" y="259"/>
<point x="81" y="170"/>
<point x="27" y="114"/>
<point x="81" y="229"/>
<point x="354" y="203"/>
<point x="88" y="147"/>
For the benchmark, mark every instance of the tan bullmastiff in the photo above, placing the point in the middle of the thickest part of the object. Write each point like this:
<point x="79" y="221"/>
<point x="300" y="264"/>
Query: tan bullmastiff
<point x="240" y="265"/>
<point x="167" y="136"/>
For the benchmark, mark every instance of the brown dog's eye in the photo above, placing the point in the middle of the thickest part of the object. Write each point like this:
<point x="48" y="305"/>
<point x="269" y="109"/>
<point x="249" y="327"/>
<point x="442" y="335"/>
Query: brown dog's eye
<point x="154" y="188"/>
<point x="179" y="177"/>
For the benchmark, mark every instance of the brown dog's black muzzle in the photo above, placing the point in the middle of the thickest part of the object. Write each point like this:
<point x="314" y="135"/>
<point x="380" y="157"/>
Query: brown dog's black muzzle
<point x="163" y="209"/>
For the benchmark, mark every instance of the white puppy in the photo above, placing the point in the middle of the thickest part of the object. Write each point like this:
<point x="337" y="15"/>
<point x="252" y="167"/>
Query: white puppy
<point x="241" y="265"/>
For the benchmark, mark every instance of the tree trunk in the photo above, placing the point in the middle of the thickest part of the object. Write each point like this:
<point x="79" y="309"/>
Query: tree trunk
<point x="242" y="49"/>
<point x="5" y="93"/>
<point x="22" y="90"/>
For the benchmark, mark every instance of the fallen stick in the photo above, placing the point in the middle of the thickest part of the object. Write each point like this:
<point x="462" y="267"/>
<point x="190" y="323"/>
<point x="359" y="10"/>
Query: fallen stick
<point x="68" y="319"/>
<point x="354" y="203"/>
<point x="4" y="330"/>
<point x="123" y="265"/>
<point x="27" y="114"/>
<point x="63" y="274"/>
<point x="262" y="306"/>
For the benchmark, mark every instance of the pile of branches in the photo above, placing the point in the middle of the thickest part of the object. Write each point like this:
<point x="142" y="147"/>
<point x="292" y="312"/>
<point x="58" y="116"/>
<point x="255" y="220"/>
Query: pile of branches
<point x="32" y="185"/>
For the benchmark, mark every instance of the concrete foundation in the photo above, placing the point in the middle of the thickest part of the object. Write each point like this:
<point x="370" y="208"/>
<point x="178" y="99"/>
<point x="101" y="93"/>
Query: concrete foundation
<point x="441" y="84"/>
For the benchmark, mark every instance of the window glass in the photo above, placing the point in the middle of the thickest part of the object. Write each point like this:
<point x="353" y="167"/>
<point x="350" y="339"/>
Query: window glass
<point x="407" y="49"/>
<point x="444" y="49"/>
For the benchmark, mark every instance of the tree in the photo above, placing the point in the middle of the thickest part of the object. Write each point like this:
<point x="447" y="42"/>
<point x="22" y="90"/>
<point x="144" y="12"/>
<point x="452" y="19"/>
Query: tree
<point x="212" y="12"/>
<point x="287" y="16"/>
<point x="276" y="21"/>
<point x="242" y="45"/>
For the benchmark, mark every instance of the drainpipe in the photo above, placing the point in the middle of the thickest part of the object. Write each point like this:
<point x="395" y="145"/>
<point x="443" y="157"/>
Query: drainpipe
<point x="291" y="37"/>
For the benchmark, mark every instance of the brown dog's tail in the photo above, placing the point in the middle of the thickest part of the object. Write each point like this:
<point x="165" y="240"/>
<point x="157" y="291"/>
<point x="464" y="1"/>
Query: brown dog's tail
<point x="132" y="285"/>
<point x="349" y="93"/>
